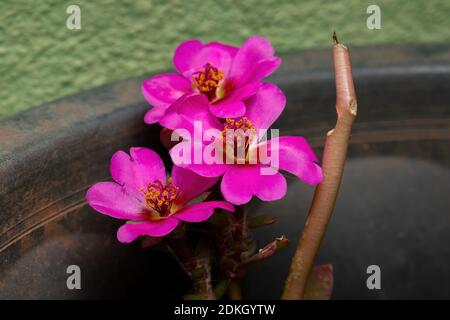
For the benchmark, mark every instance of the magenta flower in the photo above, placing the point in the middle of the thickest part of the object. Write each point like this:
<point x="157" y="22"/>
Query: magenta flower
<point x="224" y="74"/>
<point x="141" y="194"/>
<point x="241" y="181"/>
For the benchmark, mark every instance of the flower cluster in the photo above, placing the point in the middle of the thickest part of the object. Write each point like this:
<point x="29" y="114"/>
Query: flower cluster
<point x="217" y="88"/>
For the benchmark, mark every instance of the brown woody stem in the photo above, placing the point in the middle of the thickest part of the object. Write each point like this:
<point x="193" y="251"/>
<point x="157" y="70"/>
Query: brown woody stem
<point x="333" y="161"/>
<point x="197" y="268"/>
<point x="240" y="234"/>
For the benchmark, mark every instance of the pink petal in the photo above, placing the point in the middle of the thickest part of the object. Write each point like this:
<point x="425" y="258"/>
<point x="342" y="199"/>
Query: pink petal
<point x="191" y="184"/>
<point x="185" y="54"/>
<point x="297" y="157"/>
<point x="265" y="106"/>
<point x="240" y="183"/>
<point x="231" y="50"/>
<point x="113" y="200"/>
<point x="228" y="109"/>
<point x="192" y="115"/>
<point x="246" y="62"/>
<point x="202" y="211"/>
<point x="216" y="54"/>
<point x="245" y="91"/>
<point x="138" y="170"/>
<point x="165" y="89"/>
<point x="155" y="114"/>
<point x="196" y="108"/>
<point x="271" y="187"/>
<point x="189" y="112"/>
<point x="130" y="231"/>
<point x="232" y="106"/>
<point x="262" y="69"/>
<point x="192" y="55"/>
<point x="173" y="120"/>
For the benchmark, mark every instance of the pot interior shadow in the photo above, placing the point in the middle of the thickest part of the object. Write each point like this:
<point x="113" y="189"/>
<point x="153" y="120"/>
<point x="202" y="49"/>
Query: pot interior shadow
<point x="391" y="212"/>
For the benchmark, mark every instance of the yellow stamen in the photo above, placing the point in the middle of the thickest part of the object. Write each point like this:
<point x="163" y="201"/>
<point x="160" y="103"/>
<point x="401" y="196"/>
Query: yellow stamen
<point x="237" y="136"/>
<point x="207" y="79"/>
<point x="159" y="197"/>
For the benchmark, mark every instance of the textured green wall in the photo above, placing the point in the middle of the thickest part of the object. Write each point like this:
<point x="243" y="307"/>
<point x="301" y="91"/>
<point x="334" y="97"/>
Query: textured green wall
<point x="40" y="59"/>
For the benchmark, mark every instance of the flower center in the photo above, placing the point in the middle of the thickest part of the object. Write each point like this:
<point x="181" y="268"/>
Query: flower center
<point x="159" y="197"/>
<point x="243" y="124"/>
<point x="207" y="79"/>
<point x="237" y="136"/>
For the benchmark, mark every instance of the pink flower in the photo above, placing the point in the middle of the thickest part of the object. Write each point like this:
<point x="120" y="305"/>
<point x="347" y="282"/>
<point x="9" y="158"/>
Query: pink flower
<point x="141" y="194"/>
<point x="242" y="181"/>
<point x="224" y="74"/>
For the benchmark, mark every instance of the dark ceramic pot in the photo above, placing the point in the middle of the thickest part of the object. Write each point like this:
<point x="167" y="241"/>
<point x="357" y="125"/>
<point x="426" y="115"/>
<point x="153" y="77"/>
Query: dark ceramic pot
<point x="393" y="209"/>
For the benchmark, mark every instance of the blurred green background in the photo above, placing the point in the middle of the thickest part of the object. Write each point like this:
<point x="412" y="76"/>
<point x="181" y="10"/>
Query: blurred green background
<point x="41" y="60"/>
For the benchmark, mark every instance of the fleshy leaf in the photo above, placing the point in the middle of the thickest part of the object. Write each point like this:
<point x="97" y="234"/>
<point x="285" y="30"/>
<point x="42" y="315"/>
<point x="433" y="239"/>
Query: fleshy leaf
<point x="261" y="221"/>
<point x="320" y="283"/>
<point x="221" y="288"/>
<point x="202" y="197"/>
<point x="269" y="250"/>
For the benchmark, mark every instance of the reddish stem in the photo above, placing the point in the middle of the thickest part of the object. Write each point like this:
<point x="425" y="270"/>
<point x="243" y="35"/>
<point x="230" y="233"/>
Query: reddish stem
<point x="334" y="155"/>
